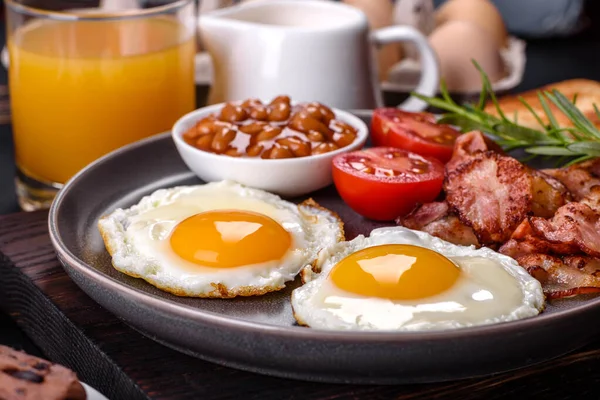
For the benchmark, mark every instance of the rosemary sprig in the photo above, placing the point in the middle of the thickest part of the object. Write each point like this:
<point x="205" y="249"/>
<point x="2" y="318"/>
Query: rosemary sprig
<point x="571" y="145"/>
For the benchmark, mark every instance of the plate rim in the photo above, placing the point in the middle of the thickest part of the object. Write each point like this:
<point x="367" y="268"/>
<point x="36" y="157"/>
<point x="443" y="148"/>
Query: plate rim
<point x="92" y="393"/>
<point x="215" y="319"/>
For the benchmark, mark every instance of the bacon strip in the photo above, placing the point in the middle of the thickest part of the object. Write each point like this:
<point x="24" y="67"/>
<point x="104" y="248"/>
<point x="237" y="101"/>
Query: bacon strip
<point x="533" y="245"/>
<point x="548" y="194"/>
<point x="436" y="219"/>
<point x="563" y="278"/>
<point x="490" y="193"/>
<point x="470" y="144"/>
<point x="524" y="241"/>
<point x="573" y="224"/>
<point x="579" y="179"/>
<point x="424" y="214"/>
<point x="592" y="199"/>
<point x="494" y="200"/>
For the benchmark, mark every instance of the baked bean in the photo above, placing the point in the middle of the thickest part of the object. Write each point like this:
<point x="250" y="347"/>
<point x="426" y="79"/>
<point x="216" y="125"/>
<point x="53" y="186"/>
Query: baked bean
<point x="204" y="142"/>
<point x="256" y="109"/>
<point x="251" y="103"/>
<point x="299" y="147"/>
<point x="223" y="136"/>
<point x="269" y="132"/>
<point x="191" y="135"/>
<point x="344" y="133"/>
<point x="281" y="99"/>
<point x="315" y="136"/>
<point x="259" y="113"/>
<point x="342" y="139"/>
<point x="203" y="127"/>
<point x="254" y="150"/>
<point x="324" y="148"/>
<point x="253" y="127"/>
<point x="320" y="112"/>
<point x="278" y="151"/>
<point x="232" y="152"/>
<point x="233" y="113"/>
<point x="273" y="130"/>
<point x="280" y="110"/>
<point x="342" y="127"/>
<point x="206" y="126"/>
<point x="303" y="122"/>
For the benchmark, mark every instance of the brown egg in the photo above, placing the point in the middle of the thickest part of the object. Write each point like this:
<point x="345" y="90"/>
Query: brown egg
<point x="456" y="44"/>
<point x="380" y="14"/>
<point x="480" y="12"/>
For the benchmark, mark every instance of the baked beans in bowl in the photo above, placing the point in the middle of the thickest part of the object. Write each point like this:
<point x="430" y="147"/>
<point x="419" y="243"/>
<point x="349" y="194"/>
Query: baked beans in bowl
<point x="279" y="146"/>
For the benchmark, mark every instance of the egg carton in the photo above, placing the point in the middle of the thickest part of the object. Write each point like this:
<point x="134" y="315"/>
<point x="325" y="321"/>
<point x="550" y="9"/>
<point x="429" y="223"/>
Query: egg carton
<point x="404" y="76"/>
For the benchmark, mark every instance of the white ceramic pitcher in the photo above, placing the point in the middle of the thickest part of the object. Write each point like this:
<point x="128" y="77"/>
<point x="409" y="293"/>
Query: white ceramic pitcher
<point x="310" y="50"/>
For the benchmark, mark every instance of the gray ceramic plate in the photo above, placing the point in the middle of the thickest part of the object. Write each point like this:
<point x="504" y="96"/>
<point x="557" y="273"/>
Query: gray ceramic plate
<point x="259" y="334"/>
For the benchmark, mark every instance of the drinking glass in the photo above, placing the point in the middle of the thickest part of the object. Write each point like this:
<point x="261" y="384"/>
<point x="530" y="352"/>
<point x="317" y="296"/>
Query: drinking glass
<point x="86" y="81"/>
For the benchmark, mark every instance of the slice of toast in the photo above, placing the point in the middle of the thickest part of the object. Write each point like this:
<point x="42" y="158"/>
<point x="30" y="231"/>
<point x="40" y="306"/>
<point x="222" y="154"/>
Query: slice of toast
<point x="588" y="94"/>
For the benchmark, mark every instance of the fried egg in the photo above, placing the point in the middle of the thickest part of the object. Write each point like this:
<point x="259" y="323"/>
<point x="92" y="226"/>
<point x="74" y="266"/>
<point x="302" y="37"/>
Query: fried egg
<point x="398" y="279"/>
<point x="219" y="239"/>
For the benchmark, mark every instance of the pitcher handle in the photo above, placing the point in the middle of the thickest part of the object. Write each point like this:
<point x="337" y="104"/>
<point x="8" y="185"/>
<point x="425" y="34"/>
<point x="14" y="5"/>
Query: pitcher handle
<point x="430" y="70"/>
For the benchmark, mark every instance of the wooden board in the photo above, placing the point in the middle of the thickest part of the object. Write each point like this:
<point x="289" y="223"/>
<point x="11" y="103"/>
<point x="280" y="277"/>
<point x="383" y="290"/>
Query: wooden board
<point x="73" y="330"/>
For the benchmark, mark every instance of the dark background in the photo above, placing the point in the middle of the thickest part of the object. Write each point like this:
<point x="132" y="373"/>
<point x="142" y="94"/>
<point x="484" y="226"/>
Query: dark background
<point x="548" y="61"/>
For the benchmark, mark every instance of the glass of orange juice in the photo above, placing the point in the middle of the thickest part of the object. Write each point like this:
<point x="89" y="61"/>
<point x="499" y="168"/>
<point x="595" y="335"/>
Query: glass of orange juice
<point x="84" y="82"/>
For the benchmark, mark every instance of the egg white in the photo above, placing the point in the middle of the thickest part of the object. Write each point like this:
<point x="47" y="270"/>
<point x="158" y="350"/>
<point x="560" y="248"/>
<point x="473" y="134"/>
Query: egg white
<point x="492" y="288"/>
<point x="138" y="239"/>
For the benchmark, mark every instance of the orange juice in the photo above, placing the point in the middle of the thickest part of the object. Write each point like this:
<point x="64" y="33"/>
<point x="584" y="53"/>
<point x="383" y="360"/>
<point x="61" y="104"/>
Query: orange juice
<point x="80" y="89"/>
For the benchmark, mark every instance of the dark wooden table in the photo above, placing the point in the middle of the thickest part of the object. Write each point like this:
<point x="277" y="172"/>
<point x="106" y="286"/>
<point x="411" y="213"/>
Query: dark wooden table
<point x="70" y="328"/>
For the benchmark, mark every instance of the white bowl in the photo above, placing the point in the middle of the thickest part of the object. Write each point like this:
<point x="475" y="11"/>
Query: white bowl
<point x="287" y="177"/>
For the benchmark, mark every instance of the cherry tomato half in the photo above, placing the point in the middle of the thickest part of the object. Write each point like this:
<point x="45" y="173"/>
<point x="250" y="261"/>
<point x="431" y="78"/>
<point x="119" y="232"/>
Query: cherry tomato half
<point x="383" y="183"/>
<point x="416" y="132"/>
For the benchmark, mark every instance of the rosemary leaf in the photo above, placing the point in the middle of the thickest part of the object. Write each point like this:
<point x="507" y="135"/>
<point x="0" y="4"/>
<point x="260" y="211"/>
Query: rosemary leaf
<point x="551" y="151"/>
<point x="438" y="103"/>
<point x="508" y="147"/>
<point x="482" y="100"/>
<point x="575" y="115"/>
<point x="532" y="111"/>
<point x="589" y="148"/>
<point x="578" y="142"/>
<point x="548" y="112"/>
<point x="523" y="133"/>
<point x="578" y="160"/>
<point x="487" y="87"/>
<point x="445" y="94"/>
<point x="463" y="123"/>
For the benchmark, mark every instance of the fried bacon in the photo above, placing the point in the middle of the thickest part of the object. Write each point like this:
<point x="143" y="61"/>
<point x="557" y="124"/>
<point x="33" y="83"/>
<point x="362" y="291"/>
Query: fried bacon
<point x="573" y="224"/>
<point x="470" y="144"/>
<point x="424" y="214"/>
<point x="592" y="166"/>
<point x="549" y="221"/>
<point x="548" y="194"/>
<point x="525" y="241"/>
<point x="579" y="179"/>
<point x="564" y="277"/>
<point x="436" y="219"/>
<point x="592" y="199"/>
<point x="490" y="193"/>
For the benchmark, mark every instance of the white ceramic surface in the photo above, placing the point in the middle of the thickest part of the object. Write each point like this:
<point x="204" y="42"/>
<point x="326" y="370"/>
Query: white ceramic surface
<point x="288" y="177"/>
<point x="310" y="50"/>
<point x="92" y="394"/>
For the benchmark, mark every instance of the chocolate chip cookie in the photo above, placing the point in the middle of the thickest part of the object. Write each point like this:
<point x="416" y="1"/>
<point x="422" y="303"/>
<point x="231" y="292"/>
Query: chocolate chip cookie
<point x="25" y="377"/>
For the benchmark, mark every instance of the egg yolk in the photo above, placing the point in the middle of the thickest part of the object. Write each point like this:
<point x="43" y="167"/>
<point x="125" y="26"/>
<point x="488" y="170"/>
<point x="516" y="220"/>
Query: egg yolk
<point x="226" y="239"/>
<point x="395" y="272"/>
